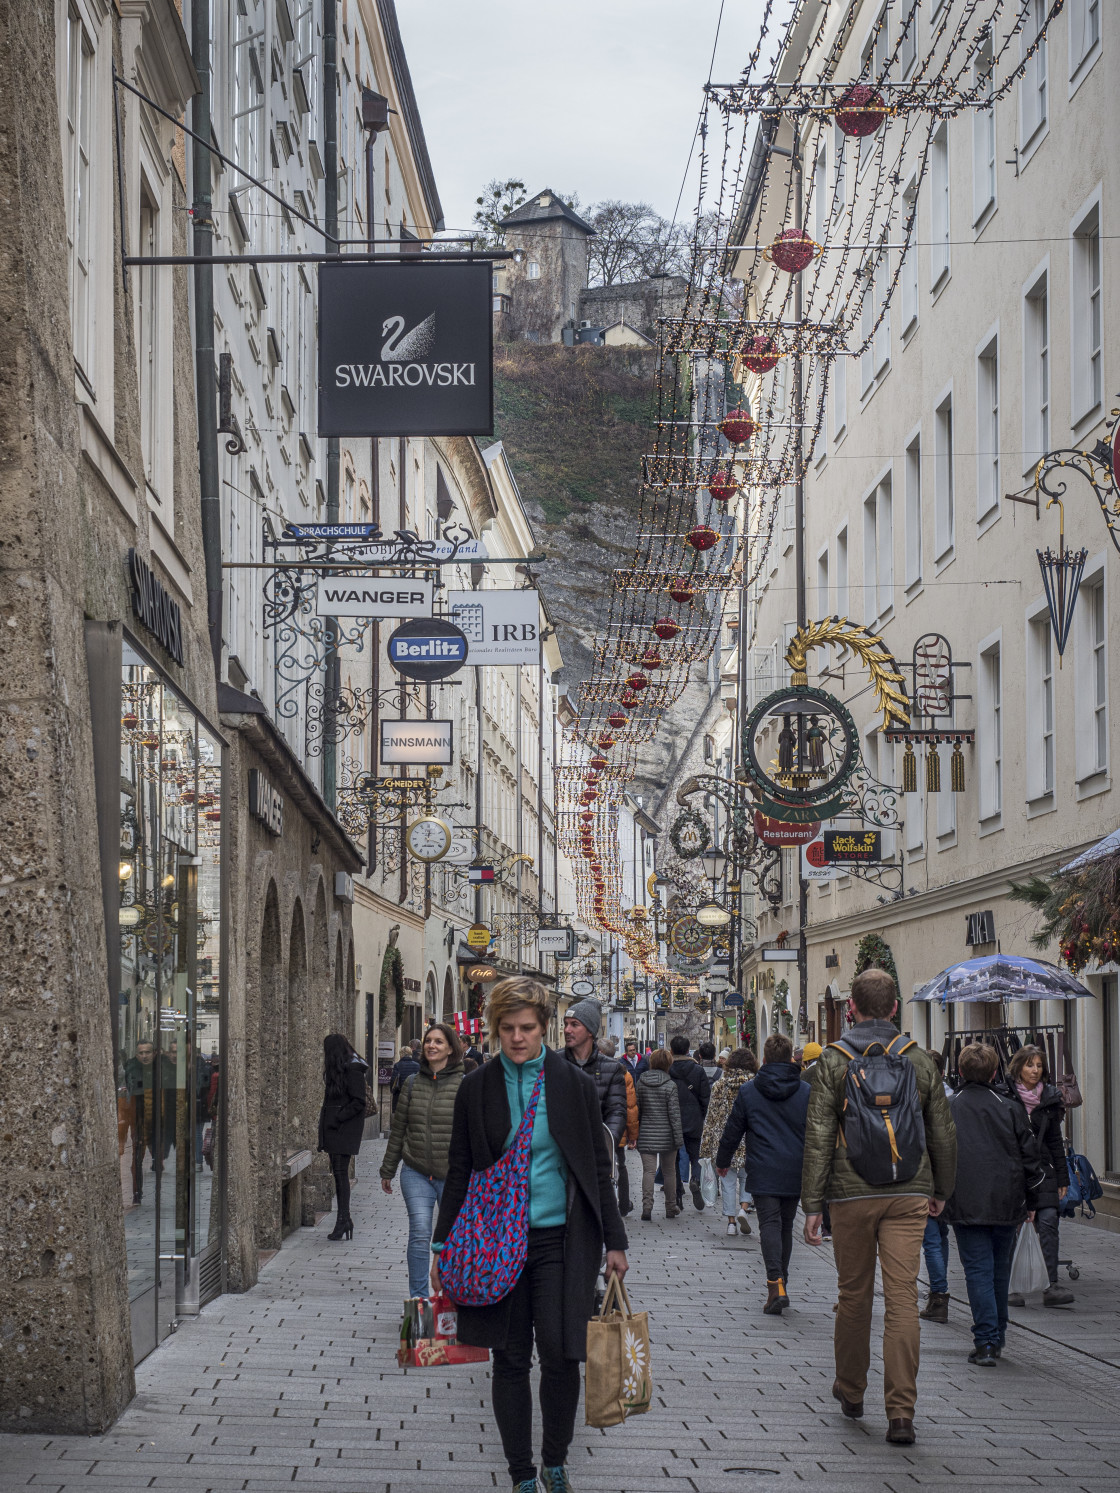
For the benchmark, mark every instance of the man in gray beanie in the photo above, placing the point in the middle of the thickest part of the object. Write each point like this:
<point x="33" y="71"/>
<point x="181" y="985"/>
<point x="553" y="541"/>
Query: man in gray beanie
<point x="581" y="1026"/>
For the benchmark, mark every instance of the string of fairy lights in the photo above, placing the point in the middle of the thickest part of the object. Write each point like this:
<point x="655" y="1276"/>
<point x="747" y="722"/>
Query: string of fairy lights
<point x="805" y="213"/>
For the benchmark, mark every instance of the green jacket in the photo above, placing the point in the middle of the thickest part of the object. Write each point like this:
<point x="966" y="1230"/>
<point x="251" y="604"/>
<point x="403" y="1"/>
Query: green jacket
<point x="827" y="1174"/>
<point x="420" y="1134"/>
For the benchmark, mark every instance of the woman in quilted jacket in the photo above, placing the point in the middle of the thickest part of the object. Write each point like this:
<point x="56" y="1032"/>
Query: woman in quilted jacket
<point x="739" y="1068"/>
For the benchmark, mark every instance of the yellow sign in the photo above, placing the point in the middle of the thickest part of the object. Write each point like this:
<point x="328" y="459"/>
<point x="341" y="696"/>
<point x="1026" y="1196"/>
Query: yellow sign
<point x="478" y="936"/>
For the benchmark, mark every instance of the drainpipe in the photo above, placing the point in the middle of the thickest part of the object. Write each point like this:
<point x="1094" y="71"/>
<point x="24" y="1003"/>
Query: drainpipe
<point x="206" y="392"/>
<point x="330" y="211"/>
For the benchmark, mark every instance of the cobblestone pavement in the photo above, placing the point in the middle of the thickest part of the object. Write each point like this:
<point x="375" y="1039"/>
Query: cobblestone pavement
<point x="295" y="1382"/>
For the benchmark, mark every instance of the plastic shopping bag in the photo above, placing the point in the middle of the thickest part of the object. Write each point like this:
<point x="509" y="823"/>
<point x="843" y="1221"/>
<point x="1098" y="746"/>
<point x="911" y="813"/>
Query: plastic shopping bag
<point x="1028" y="1267"/>
<point x="709" y="1182"/>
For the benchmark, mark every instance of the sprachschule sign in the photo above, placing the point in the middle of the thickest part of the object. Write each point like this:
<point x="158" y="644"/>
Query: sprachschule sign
<point x="405" y="349"/>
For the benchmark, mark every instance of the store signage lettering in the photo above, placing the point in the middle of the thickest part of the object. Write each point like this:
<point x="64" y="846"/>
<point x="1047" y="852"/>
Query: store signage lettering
<point x="554" y="941"/>
<point x="405" y="349"/>
<point x="502" y="626"/>
<point x="478" y="936"/>
<point x="776" y="832"/>
<point x="416" y="743"/>
<point x="155" y="608"/>
<point x="844" y="845"/>
<point x="427" y="650"/>
<point x="266" y="803"/>
<point x="373" y="598"/>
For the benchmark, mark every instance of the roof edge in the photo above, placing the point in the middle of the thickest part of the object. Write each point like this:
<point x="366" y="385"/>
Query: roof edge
<point x="394" y="45"/>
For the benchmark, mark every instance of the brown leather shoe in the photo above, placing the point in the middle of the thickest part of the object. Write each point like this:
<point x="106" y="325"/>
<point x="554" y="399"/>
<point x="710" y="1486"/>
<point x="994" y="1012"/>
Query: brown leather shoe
<point x="852" y="1409"/>
<point x="900" y="1432"/>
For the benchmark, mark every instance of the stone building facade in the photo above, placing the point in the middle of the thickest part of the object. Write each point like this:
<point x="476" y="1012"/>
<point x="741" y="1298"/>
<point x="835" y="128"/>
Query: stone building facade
<point x="540" y="293"/>
<point x="639" y="303"/>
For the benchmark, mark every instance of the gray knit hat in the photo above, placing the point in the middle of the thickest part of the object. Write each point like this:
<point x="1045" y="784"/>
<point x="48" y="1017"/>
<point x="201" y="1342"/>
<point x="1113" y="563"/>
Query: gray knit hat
<point x="589" y="1013"/>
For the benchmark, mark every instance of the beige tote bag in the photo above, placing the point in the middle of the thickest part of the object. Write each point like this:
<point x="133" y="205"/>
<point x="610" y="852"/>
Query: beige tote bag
<point x="618" y="1380"/>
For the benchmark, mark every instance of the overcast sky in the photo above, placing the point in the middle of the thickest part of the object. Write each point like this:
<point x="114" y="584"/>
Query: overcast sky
<point x="598" y="97"/>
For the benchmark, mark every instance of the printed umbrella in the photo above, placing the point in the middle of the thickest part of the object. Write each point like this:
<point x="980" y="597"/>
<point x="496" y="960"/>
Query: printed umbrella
<point x="1003" y="977"/>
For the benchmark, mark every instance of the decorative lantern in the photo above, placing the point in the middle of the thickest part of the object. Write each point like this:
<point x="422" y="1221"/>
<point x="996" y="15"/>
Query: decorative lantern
<point x="587" y="816"/>
<point x="703" y="537"/>
<point x="738" y="426"/>
<point x="636" y="683"/>
<point x="760" y="355"/>
<point x="598" y="763"/>
<point x="606" y="741"/>
<point x="665" y="628"/>
<point x="151" y="741"/>
<point x="723" y="487"/>
<point x="792" y="251"/>
<point x="861" y="110"/>
<point x="650" y="659"/>
<point x="680" y="590"/>
<point x="130" y="721"/>
<point x="616" y="719"/>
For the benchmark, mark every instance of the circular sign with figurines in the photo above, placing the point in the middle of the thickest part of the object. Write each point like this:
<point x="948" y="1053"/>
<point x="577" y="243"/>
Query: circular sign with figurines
<point x="800" y="747"/>
<point x="689" y="937"/>
<point x="690" y="834"/>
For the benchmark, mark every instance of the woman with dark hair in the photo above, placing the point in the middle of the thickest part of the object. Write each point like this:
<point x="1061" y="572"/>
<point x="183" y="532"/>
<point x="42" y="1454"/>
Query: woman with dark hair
<point x="420" y="1137"/>
<point x="572" y="1216"/>
<point x="341" y="1121"/>
<point x="1028" y="1085"/>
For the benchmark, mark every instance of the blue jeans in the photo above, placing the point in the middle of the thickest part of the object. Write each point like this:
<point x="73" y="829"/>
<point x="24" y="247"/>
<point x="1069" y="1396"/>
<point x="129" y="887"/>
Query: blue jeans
<point x="935" y="1244"/>
<point x="421" y="1198"/>
<point x="985" y="1252"/>
<point x="733" y="1190"/>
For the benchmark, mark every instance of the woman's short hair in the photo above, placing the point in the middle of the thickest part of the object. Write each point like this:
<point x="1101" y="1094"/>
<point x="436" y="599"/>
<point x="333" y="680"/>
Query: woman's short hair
<point x="451" y="1036"/>
<point x="1022" y="1058"/>
<point x="741" y="1060"/>
<point x="977" y="1062"/>
<point x="661" y="1059"/>
<point x="518" y="993"/>
<point x="778" y="1049"/>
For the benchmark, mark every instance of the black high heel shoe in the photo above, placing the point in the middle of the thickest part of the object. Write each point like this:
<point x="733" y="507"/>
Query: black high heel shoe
<point x="343" y="1229"/>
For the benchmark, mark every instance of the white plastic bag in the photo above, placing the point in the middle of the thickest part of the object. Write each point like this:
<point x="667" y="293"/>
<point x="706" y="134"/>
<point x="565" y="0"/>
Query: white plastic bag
<point x="709" y="1182"/>
<point x="1028" y="1267"/>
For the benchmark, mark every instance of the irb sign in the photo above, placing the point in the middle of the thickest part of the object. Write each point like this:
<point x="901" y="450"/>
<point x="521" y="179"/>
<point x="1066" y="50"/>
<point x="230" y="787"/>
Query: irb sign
<point x="502" y="627"/>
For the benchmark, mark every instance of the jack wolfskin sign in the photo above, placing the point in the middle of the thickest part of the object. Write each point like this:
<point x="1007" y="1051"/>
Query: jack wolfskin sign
<point x="882" y="1125"/>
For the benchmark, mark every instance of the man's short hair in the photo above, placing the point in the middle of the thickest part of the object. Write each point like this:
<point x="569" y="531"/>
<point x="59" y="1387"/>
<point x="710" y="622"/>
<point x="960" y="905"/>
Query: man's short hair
<point x="416" y="1047"/>
<point x="938" y="1057"/>
<point x="631" y="1042"/>
<point x="659" y="1058"/>
<point x="706" y="1052"/>
<point x="977" y="1062"/>
<point x="778" y="1049"/>
<point x="678" y="1046"/>
<point x="874" y="994"/>
<point x="607" y="1046"/>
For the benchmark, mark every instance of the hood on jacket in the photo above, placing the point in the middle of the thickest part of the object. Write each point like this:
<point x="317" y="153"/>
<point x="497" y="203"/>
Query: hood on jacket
<point x="778" y="1081"/>
<point x="682" y="1067"/>
<point x="451" y="1066"/>
<point x="653" y="1078"/>
<point x="866" y="1033"/>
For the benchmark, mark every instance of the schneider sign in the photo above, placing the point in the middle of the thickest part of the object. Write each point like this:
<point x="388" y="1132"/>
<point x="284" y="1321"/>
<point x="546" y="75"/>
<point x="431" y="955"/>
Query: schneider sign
<point x="405" y="349"/>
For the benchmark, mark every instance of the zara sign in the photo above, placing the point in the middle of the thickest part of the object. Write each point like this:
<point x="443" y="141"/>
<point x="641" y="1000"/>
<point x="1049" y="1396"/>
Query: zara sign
<point x="405" y="349"/>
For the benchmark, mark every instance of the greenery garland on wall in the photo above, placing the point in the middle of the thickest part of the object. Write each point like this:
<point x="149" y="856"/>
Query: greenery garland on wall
<point x="874" y="952"/>
<point x="392" y="975"/>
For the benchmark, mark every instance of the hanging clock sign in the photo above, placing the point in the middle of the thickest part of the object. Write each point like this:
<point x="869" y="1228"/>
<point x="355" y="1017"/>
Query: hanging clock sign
<point x="800" y="747"/>
<point x="689" y="937"/>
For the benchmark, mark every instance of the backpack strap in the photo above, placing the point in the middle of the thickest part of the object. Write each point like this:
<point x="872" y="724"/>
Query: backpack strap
<point x="892" y="1048"/>
<point x="845" y="1049"/>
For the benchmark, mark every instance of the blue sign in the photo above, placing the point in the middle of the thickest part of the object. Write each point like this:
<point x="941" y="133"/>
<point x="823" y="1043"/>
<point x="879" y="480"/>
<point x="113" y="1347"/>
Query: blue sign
<point x="733" y="998"/>
<point x="427" y="648"/>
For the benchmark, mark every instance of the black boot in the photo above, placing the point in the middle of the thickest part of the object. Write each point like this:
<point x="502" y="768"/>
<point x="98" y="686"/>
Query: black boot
<point x="343" y="1229"/>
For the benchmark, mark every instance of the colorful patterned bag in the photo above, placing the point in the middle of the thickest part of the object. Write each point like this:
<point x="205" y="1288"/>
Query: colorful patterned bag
<point x="485" y="1251"/>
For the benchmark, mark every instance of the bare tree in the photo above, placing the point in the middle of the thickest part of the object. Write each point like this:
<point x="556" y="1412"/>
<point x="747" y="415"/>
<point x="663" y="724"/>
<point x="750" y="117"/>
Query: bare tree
<point x="621" y="231"/>
<point x="499" y="199"/>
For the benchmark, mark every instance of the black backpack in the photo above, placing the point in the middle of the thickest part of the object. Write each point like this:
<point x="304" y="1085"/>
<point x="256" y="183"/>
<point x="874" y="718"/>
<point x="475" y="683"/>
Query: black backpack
<point x="882" y="1121"/>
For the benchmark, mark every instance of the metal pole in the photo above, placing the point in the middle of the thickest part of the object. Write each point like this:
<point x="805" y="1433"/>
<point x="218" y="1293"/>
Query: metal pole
<point x="330" y="192"/>
<point x="799" y="556"/>
<point x="519" y="832"/>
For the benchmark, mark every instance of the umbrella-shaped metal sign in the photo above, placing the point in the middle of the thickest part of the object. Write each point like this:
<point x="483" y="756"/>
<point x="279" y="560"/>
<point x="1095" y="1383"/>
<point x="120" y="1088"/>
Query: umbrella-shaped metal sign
<point x="1003" y="977"/>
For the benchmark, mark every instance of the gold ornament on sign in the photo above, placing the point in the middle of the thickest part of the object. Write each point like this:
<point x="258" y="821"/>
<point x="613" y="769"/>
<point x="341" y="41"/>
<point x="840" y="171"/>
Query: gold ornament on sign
<point x="886" y="678"/>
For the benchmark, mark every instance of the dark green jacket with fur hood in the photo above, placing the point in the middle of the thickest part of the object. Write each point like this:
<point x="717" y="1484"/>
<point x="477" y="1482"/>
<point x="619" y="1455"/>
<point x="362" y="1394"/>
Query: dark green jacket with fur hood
<point x="421" y="1129"/>
<point x="827" y="1174"/>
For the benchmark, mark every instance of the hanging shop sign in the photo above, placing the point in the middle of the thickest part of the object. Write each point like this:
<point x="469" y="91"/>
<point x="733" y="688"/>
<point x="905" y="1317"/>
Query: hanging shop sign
<point x="780" y="956"/>
<point x="405" y="349"/>
<point x="416" y="743"/>
<point x="480" y="875"/>
<point x="155" y="608"/>
<point x="690" y="938"/>
<point x="478" y="936"/>
<point x="266" y="803"/>
<point x="481" y="974"/>
<point x="777" y="832"/>
<point x="580" y="988"/>
<point x="843" y="845"/>
<point x="558" y="941"/>
<point x="347" y="597"/>
<point x="800" y="747"/>
<point x="814" y="864"/>
<point x="427" y="650"/>
<point x="501" y="627"/>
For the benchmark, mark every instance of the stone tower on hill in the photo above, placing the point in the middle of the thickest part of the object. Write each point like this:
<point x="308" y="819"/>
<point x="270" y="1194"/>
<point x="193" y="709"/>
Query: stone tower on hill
<point x="538" y="297"/>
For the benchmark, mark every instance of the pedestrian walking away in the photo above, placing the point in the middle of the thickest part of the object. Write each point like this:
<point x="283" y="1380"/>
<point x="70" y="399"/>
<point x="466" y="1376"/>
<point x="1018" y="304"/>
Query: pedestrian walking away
<point x="572" y="1215"/>
<point x="629" y="1139"/>
<point x="406" y="1065"/>
<point x="342" y="1120"/>
<point x="706" y="1057"/>
<point x="998" y="1179"/>
<point x="660" y="1135"/>
<point x="739" y="1069"/>
<point x="882" y="1183"/>
<point x="1028" y="1084"/>
<point x="768" y="1119"/>
<point x="694" y="1092"/>
<point x="419" y="1140"/>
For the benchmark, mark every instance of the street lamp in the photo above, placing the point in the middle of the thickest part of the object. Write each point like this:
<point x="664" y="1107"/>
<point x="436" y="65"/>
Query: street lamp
<point x="712" y="915"/>
<point x="715" y="863"/>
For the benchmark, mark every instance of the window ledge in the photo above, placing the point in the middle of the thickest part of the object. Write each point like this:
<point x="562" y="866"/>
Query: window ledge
<point x="987" y="213"/>
<point x="1096" y="782"/>
<point x="915" y="853"/>
<point x="945" y="559"/>
<point x="940" y="283"/>
<point x="1046" y="803"/>
<point x="1084" y="68"/>
<point x="946" y="841"/>
<point x="914" y="590"/>
<point x="909" y="331"/>
<point x="986" y="521"/>
<point x="1088" y="417"/>
<point x="1029" y="148"/>
<point x="991" y="825"/>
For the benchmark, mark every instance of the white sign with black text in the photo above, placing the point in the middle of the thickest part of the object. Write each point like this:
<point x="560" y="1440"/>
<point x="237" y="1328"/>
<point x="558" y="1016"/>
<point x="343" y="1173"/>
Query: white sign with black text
<point x="416" y="743"/>
<point x="345" y="596"/>
<point x="502" y="627"/>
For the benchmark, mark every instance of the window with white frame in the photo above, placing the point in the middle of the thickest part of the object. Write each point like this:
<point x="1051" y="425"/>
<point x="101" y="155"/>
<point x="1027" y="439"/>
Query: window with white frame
<point x="1091" y="679"/>
<point x="944" y="480"/>
<point x="873" y="69"/>
<point x="248" y="85"/>
<point x="1040" y="707"/>
<point x="839" y="201"/>
<point x="1085" y="314"/>
<point x="939" y="204"/>
<point x="908" y="45"/>
<point x="870" y="559"/>
<point x="882" y="343"/>
<point x="1036" y="372"/>
<point x="148" y="340"/>
<point x="1084" y="33"/>
<point x="987" y="430"/>
<point x="532" y="270"/>
<point x="884" y="545"/>
<point x="908" y="271"/>
<point x="843" y="600"/>
<point x="80" y="103"/>
<point x="990" y="733"/>
<point x="914" y="511"/>
<point x="1034" y="84"/>
<point x="983" y="136"/>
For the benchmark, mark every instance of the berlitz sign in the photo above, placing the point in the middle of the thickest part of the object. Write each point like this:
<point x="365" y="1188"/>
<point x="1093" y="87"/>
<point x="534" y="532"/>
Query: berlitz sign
<point x="427" y="649"/>
<point x="344" y="596"/>
<point x="155" y="608"/>
<point x="405" y="349"/>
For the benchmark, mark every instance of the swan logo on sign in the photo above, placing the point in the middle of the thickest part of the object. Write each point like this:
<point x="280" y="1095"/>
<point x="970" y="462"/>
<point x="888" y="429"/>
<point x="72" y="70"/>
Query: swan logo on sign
<point x="405" y="349"/>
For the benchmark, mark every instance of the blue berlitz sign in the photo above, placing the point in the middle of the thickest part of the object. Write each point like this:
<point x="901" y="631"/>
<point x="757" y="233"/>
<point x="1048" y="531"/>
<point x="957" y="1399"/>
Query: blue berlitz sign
<point x="427" y="648"/>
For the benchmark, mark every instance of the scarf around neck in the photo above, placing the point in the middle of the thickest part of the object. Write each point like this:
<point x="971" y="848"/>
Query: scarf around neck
<point x="1030" y="1097"/>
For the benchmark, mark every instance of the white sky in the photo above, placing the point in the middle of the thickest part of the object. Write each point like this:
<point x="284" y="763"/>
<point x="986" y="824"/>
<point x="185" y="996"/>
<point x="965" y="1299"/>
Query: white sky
<point x="598" y="97"/>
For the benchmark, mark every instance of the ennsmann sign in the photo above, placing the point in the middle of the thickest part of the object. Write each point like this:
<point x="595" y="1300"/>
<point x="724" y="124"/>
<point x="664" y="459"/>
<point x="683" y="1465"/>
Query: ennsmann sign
<point x="405" y="349"/>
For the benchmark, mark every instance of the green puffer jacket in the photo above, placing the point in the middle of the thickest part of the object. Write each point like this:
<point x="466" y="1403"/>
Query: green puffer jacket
<point x="828" y="1175"/>
<point x="421" y="1131"/>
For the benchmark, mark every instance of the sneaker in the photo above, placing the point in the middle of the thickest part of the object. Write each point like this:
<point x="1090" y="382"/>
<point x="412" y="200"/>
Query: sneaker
<point x="530" y="1485"/>
<point x="1056" y="1295"/>
<point x="732" y="1228"/>
<point x="983" y="1356"/>
<point x="555" y="1480"/>
<point x="743" y="1222"/>
<point x="1016" y="1300"/>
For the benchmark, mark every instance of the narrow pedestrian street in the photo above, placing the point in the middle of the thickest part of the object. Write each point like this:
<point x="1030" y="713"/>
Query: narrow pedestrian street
<point x="296" y="1382"/>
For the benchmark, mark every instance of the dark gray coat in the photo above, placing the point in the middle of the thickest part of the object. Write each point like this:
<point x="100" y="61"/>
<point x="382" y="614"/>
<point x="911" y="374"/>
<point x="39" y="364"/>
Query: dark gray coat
<point x="342" y="1120"/>
<point x="659" y="1112"/>
<point x="998" y="1167"/>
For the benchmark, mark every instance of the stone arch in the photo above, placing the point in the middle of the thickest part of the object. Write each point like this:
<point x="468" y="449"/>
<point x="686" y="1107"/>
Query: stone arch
<point x="448" y="995"/>
<point x="431" y="1008"/>
<point x="264" y="1078"/>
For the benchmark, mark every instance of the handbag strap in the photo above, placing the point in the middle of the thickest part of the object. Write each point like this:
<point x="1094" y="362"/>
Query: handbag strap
<point x="525" y="1129"/>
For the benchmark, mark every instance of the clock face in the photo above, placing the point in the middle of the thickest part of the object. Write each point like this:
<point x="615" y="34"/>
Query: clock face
<point x="429" y="839"/>
<point x="689" y="937"/>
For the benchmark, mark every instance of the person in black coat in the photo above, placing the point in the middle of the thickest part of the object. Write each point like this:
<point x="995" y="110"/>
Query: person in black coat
<point x="406" y="1065"/>
<point x="998" y="1175"/>
<point x="694" y="1092"/>
<point x="581" y="1027"/>
<point x="1027" y="1085"/>
<point x="769" y="1117"/>
<point x="573" y="1214"/>
<point x="342" y="1120"/>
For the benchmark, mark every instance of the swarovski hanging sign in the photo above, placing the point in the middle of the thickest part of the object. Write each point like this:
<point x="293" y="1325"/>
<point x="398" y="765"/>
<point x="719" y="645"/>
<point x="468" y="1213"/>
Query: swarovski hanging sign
<point x="405" y="349"/>
<point x="382" y="596"/>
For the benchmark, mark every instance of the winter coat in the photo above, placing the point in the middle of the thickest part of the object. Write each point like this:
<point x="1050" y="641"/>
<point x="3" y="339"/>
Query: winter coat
<point x="635" y="1067"/>
<point x="609" y="1084"/>
<point x="403" y="1069"/>
<point x="694" y="1091"/>
<point x="768" y="1116"/>
<point x="630" y="1138"/>
<point x="1046" y="1120"/>
<point x="828" y="1175"/>
<point x="479" y="1129"/>
<point x="342" y="1120"/>
<point x="712" y="1072"/>
<point x="998" y="1170"/>
<point x="421" y="1130"/>
<point x="724" y="1093"/>
<point x="660" y="1110"/>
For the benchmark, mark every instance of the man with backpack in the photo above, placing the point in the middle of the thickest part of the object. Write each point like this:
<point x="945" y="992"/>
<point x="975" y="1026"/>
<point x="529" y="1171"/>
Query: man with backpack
<point x="694" y="1092"/>
<point x="881" y="1150"/>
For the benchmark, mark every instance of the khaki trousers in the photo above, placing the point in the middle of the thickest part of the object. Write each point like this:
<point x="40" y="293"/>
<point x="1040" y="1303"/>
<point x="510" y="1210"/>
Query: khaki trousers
<point x="667" y="1160"/>
<point x="891" y="1229"/>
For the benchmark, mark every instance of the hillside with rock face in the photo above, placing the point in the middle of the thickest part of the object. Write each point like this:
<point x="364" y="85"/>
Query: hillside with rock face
<point x="575" y="423"/>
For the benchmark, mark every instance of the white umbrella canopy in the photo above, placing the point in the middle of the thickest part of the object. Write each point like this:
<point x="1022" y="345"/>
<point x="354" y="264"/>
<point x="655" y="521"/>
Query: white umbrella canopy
<point x="1108" y="846"/>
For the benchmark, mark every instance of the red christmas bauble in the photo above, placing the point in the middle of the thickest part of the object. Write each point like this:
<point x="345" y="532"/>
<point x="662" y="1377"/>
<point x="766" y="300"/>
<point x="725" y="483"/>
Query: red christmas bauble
<point x="680" y="590"/>
<point x="587" y="816"/>
<point x="761" y="354"/>
<point x="606" y="741"/>
<point x="702" y="537"/>
<point x="616" y="719"/>
<point x="738" y="426"/>
<point x="665" y="628"/>
<point x="723" y="487"/>
<point x="629" y="701"/>
<point x="861" y="110"/>
<point x="598" y="763"/>
<point x="637" y="682"/>
<point x="792" y="250"/>
<point x="650" y="659"/>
